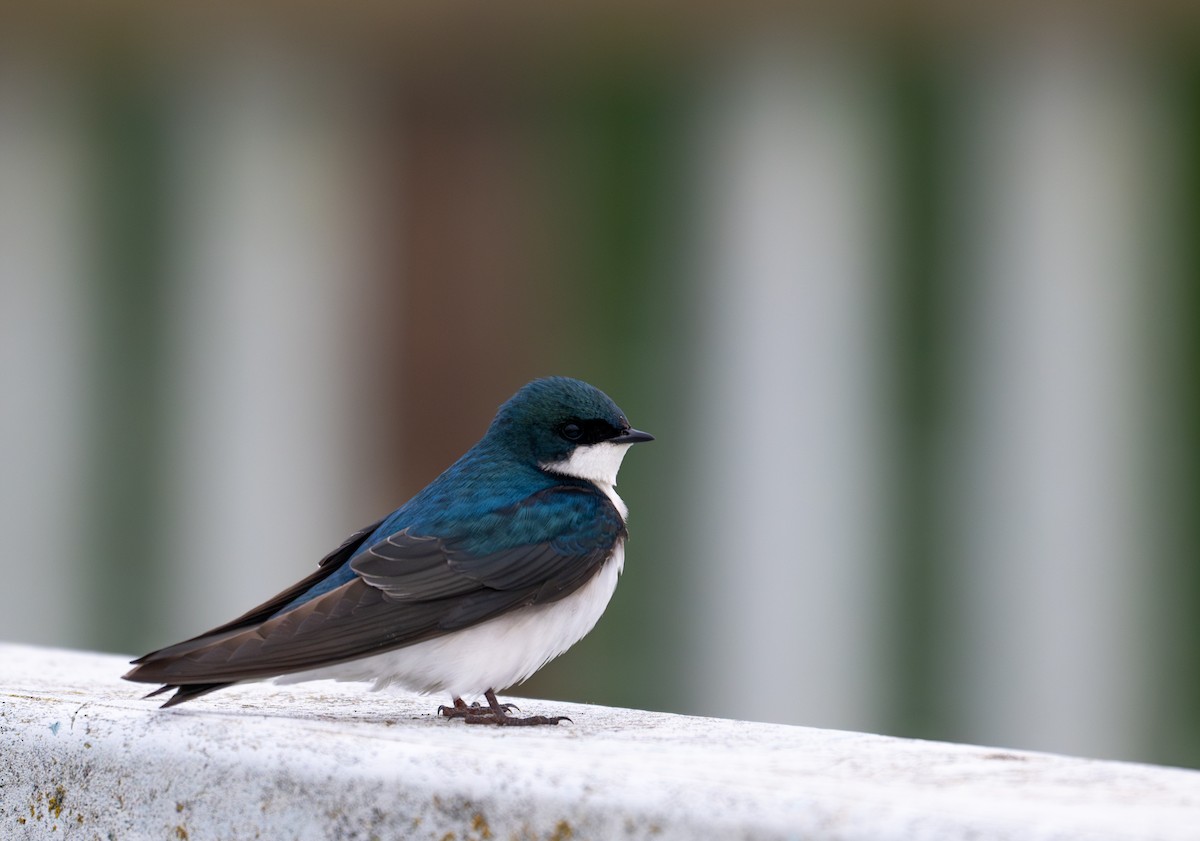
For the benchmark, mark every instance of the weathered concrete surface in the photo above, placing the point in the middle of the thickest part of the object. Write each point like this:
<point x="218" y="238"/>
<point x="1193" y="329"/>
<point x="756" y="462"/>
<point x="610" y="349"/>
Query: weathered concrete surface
<point x="81" y="756"/>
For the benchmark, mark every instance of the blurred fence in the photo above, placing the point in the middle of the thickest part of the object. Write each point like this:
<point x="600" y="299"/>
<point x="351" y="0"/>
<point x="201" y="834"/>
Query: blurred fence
<point x="915" y="326"/>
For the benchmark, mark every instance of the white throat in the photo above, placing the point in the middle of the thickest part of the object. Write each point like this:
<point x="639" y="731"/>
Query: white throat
<point x="598" y="464"/>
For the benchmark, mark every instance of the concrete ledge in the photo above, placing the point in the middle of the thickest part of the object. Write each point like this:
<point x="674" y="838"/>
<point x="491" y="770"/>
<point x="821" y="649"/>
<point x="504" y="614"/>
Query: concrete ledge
<point x="81" y="756"/>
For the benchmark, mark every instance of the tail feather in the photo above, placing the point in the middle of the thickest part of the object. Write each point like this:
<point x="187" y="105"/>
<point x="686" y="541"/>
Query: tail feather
<point x="186" y="692"/>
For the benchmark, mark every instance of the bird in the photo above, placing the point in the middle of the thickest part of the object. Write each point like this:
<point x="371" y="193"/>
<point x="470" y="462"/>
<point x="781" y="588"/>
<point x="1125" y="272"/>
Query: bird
<point x="499" y="565"/>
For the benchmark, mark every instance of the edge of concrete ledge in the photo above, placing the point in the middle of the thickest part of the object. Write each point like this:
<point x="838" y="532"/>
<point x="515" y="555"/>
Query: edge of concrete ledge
<point x="86" y="757"/>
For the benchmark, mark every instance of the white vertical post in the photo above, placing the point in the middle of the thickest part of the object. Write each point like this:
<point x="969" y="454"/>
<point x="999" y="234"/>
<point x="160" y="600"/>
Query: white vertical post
<point x="43" y="339"/>
<point x="786" y="537"/>
<point x="1044" y="483"/>
<point x="263" y="313"/>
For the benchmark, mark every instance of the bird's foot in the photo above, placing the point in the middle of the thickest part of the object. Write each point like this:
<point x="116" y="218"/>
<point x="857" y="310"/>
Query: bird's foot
<point x="494" y="713"/>
<point x="461" y="710"/>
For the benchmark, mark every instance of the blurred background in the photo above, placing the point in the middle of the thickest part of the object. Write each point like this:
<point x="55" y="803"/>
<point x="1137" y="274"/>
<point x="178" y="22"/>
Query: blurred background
<point x="911" y="301"/>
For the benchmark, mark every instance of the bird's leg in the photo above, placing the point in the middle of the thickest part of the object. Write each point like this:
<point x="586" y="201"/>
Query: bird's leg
<point x="499" y="714"/>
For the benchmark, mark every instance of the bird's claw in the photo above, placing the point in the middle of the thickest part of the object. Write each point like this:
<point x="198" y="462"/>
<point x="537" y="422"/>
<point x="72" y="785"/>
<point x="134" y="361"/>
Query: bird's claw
<point x="461" y="710"/>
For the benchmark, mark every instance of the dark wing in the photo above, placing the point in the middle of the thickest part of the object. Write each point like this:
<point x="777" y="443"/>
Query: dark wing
<point x="410" y="588"/>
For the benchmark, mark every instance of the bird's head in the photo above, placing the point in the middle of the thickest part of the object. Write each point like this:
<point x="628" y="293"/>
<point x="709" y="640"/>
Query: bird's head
<point x="566" y="426"/>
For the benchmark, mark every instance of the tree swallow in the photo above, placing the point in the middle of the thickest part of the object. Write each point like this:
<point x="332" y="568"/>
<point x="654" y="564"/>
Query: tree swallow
<point x="498" y="566"/>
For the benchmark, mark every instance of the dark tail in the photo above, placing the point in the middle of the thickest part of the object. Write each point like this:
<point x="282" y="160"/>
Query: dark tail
<point x="186" y="692"/>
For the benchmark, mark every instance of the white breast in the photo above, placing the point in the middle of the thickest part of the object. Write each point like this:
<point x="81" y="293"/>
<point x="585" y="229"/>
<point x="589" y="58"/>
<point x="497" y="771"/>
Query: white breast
<point x="491" y="655"/>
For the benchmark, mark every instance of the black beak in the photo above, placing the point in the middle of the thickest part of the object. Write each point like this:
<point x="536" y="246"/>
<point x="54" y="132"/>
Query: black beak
<point x="631" y="436"/>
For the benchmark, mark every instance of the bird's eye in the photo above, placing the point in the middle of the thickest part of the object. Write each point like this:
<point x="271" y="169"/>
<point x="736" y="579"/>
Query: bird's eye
<point x="571" y="431"/>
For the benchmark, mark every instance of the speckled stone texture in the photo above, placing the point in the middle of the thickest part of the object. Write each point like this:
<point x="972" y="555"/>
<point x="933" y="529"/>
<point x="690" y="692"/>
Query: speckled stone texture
<point x="82" y="756"/>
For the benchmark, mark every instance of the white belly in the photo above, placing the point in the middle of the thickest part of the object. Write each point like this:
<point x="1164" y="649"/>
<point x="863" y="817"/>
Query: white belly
<point x="492" y="655"/>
